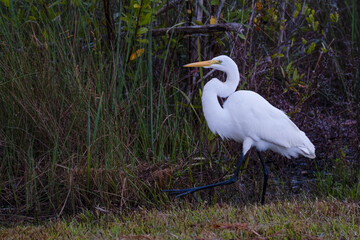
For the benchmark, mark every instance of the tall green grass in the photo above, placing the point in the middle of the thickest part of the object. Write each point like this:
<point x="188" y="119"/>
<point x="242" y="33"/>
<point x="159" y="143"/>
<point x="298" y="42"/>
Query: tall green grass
<point x="81" y="124"/>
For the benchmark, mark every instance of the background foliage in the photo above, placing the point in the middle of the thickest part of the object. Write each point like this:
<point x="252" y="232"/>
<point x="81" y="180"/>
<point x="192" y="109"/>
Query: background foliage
<point x="97" y="111"/>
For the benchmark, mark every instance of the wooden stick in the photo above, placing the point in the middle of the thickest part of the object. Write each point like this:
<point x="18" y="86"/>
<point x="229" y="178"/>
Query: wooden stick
<point x="223" y="27"/>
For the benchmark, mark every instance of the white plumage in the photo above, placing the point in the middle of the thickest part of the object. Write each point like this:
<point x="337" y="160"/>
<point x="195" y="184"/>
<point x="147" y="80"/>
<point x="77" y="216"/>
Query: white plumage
<point x="248" y="118"/>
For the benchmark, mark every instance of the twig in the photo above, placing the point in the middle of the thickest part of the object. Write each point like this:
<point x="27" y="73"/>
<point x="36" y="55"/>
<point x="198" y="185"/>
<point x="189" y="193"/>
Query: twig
<point x="168" y="6"/>
<point x="219" y="10"/>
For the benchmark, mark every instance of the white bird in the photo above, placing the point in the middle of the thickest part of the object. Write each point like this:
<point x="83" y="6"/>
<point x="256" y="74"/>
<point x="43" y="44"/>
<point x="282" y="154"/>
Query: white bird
<point x="248" y="118"/>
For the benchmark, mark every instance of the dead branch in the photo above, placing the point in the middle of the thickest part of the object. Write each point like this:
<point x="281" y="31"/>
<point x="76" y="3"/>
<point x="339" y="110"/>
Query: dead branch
<point x="223" y="27"/>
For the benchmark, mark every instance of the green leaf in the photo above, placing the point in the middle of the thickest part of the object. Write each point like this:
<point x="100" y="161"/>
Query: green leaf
<point x="242" y="36"/>
<point x="220" y="42"/>
<point x="334" y="17"/>
<point x="296" y="13"/>
<point x="323" y="49"/>
<point x="198" y="22"/>
<point x="142" y="30"/>
<point x="311" y="17"/>
<point x="289" y="67"/>
<point x="295" y="75"/>
<point x="311" y="48"/>
<point x="315" y="25"/>
<point x="275" y="55"/>
<point x="6" y="2"/>
<point x="143" y="41"/>
<point x="146" y="19"/>
<point x="282" y="71"/>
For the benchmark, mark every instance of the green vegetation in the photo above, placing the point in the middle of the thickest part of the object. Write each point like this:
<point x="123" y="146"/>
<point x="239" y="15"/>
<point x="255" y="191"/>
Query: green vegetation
<point x="279" y="220"/>
<point x="97" y="113"/>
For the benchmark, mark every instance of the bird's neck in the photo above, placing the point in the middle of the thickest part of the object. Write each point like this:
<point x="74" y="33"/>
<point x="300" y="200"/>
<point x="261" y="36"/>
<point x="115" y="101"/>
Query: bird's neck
<point x="216" y="117"/>
<point x="225" y="89"/>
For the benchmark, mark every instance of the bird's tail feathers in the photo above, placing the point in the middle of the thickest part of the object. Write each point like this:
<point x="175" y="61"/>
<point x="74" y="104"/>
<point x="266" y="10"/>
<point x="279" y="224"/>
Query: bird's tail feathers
<point x="309" y="153"/>
<point x="307" y="148"/>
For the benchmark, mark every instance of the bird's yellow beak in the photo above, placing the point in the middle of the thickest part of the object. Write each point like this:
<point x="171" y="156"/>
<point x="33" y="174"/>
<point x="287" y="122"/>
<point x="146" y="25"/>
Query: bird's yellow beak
<point x="203" y="63"/>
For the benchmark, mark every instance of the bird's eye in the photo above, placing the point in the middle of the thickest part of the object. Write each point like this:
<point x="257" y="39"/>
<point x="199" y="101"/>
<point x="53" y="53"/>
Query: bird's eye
<point x="219" y="61"/>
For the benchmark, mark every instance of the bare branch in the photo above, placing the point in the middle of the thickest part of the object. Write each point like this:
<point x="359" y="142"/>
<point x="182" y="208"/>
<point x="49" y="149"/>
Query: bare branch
<point x="223" y="27"/>
<point x="168" y="6"/>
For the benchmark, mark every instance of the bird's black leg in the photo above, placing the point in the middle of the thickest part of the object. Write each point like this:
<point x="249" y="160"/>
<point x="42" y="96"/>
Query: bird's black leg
<point x="233" y="179"/>
<point x="266" y="176"/>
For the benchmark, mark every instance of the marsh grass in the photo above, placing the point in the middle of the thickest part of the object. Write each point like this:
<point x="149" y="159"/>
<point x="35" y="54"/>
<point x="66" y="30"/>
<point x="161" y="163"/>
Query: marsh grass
<point x="306" y="219"/>
<point x="82" y="125"/>
<point x="85" y="126"/>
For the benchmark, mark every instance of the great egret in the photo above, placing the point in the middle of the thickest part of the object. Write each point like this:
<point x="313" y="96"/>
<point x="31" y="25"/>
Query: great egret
<point x="248" y="118"/>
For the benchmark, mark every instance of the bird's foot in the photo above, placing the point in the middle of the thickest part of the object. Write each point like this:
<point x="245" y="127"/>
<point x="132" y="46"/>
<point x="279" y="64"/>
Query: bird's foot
<point x="182" y="192"/>
<point x="185" y="191"/>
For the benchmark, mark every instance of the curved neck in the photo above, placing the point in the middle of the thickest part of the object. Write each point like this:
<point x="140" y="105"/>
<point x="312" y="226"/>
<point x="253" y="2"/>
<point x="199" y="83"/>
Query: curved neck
<point x="216" y="117"/>
<point x="225" y="89"/>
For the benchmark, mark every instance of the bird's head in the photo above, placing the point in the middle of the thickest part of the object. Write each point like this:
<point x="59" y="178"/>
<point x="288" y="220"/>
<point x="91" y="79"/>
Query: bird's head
<point x="222" y="63"/>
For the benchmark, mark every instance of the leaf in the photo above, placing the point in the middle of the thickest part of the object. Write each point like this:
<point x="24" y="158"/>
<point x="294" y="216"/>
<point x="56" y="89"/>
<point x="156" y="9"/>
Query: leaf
<point x="295" y="75"/>
<point x="142" y="30"/>
<point x="136" y="5"/>
<point x="219" y="42"/>
<point x="315" y="25"/>
<point x="212" y="20"/>
<point x="143" y="40"/>
<point x="292" y="41"/>
<point x="306" y="10"/>
<point x="242" y="36"/>
<point x="282" y="71"/>
<point x="303" y="41"/>
<point x="311" y="48"/>
<point x="334" y="17"/>
<point x="137" y="54"/>
<point x="311" y="17"/>
<point x="275" y="17"/>
<point x="6" y="2"/>
<point x="146" y="19"/>
<point x="258" y="6"/>
<point x="280" y="55"/>
<point x="296" y="13"/>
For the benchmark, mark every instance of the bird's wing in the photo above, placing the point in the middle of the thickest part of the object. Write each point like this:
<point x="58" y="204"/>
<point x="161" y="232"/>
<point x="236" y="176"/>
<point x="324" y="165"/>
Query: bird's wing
<point x="261" y="121"/>
<point x="274" y="126"/>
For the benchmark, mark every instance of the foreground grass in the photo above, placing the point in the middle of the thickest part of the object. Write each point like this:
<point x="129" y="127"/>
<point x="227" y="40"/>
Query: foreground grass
<point x="330" y="219"/>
